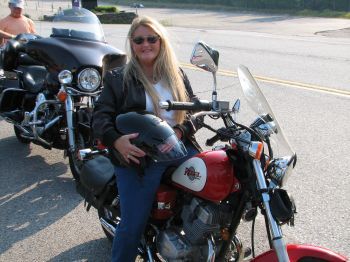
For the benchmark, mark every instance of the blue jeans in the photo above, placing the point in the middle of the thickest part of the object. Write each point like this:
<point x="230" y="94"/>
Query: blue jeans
<point x="136" y="199"/>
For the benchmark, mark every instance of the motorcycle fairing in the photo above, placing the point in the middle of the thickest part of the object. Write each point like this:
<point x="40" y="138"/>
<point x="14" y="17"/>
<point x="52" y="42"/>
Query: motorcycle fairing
<point x="63" y="53"/>
<point x="298" y="252"/>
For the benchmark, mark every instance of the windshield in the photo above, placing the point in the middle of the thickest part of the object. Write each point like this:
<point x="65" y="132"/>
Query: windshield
<point x="266" y="123"/>
<point x="77" y="23"/>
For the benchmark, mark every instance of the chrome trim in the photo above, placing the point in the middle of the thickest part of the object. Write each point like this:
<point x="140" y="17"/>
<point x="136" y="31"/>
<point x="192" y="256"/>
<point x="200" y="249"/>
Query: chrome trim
<point x="83" y="153"/>
<point x="71" y="89"/>
<point x="109" y="228"/>
<point x="35" y="122"/>
<point x="23" y="129"/>
<point x="69" y="105"/>
<point x="52" y="122"/>
<point x="253" y="148"/>
<point x="211" y="250"/>
<point x="280" y="169"/>
<point x="275" y="229"/>
<point x="149" y="254"/>
<point x="239" y="246"/>
<point x="163" y="105"/>
<point x="206" y="113"/>
<point x="266" y="129"/>
<point x="65" y="77"/>
<point x="84" y="70"/>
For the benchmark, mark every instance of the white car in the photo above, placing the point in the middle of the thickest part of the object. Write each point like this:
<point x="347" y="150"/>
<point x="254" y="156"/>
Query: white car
<point x="137" y="5"/>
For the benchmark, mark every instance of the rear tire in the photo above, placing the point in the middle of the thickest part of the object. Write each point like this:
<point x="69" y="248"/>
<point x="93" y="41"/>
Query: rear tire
<point x="18" y="133"/>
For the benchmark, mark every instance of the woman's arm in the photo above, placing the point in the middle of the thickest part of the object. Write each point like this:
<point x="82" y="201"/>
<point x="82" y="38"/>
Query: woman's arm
<point x="106" y="110"/>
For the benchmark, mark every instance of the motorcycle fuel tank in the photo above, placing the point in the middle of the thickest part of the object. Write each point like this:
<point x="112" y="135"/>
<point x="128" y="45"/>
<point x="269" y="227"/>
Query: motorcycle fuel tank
<point x="209" y="175"/>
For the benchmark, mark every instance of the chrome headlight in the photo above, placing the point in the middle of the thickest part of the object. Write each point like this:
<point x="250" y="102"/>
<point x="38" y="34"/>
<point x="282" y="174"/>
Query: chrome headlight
<point x="65" y="77"/>
<point x="89" y="79"/>
<point x="280" y="169"/>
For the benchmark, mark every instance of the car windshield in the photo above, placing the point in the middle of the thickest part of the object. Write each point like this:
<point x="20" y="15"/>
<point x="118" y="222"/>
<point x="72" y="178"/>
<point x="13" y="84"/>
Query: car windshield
<point x="77" y="23"/>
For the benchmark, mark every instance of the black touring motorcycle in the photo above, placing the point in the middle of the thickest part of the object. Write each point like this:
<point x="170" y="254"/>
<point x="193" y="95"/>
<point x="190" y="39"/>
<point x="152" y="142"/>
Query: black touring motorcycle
<point x="49" y="84"/>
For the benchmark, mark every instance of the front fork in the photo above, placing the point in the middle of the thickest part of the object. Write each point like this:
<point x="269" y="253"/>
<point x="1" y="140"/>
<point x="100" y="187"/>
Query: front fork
<point x="275" y="229"/>
<point x="69" y="105"/>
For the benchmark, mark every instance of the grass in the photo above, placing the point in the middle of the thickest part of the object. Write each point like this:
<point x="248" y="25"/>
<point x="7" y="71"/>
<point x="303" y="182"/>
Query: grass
<point x="324" y="13"/>
<point x="310" y="13"/>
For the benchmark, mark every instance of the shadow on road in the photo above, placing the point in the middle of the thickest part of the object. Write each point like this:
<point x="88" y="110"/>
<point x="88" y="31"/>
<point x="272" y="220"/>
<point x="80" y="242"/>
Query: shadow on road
<point x="98" y="250"/>
<point x="269" y="19"/>
<point x="33" y="193"/>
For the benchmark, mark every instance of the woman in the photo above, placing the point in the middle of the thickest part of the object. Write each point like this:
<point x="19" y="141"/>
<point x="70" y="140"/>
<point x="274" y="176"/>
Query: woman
<point x="151" y="75"/>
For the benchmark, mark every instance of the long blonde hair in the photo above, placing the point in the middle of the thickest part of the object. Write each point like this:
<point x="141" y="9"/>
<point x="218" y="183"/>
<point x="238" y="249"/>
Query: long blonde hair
<point x="166" y="67"/>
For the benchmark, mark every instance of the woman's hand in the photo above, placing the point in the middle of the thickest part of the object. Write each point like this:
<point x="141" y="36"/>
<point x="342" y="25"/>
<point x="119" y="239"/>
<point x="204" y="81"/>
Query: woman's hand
<point x="128" y="150"/>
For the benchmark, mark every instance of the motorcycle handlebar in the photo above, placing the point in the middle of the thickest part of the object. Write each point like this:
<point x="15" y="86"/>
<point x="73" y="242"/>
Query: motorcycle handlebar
<point x="213" y="140"/>
<point x="198" y="105"/>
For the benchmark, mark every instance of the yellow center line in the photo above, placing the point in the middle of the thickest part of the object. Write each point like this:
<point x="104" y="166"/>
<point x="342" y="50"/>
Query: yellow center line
<point x="279" y="81"/>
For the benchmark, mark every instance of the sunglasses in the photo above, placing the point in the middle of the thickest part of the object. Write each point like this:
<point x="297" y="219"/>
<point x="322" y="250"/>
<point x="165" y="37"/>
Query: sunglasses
<point x="152" y="39"/>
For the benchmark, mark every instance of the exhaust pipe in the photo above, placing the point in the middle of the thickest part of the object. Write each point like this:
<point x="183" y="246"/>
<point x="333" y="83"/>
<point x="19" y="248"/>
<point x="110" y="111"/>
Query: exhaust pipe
<point x="107" y="226"/>
<point x="211" y="250"/>
<point x="111" y="230"/>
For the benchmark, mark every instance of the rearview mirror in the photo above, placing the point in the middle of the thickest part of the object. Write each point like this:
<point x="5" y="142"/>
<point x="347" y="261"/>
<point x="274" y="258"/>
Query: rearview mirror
<point x="205" y="57"/>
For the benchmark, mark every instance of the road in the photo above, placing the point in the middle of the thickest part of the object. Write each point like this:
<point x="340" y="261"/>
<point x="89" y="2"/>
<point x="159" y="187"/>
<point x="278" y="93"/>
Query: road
<point x="43" y="219"/>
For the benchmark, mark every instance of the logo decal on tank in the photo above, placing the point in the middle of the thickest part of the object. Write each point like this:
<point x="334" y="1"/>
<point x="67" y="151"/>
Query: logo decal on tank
<point x="191" y="173"/>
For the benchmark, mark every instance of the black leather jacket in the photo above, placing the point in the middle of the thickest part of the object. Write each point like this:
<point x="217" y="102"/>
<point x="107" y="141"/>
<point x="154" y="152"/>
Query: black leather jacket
<point x="118" y="97"/>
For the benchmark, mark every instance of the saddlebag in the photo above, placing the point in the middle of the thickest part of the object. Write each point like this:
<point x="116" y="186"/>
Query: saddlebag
<point x="11" y="99"/>
<point x="96" y="181"/>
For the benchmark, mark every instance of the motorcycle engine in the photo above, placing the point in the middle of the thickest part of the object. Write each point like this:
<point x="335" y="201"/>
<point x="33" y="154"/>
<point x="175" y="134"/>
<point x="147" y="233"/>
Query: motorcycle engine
<point x="201" y="220"/>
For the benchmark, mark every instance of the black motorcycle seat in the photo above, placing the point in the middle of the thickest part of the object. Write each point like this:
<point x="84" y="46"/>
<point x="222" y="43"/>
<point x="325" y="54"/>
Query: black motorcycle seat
<point x="96" y="173"/>
<point x="33" y="77"/>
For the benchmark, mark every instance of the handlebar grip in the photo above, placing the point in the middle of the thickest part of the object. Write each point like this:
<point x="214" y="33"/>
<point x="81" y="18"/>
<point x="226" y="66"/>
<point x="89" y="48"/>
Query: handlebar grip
<point x="198" y="105"/>
<point x="211" y="141"/>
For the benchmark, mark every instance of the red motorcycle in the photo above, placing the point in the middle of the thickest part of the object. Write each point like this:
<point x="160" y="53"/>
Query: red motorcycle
<point x="200" y="204"/>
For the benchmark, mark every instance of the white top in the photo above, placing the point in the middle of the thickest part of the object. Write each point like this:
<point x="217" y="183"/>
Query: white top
<point x="164" y="94"/>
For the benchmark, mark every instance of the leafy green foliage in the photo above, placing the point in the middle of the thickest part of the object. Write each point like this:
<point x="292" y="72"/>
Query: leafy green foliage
<point x="106" y="9"/>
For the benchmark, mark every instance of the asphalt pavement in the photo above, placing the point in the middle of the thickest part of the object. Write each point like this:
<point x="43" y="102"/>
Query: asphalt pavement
<point x="42" y="218"/>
